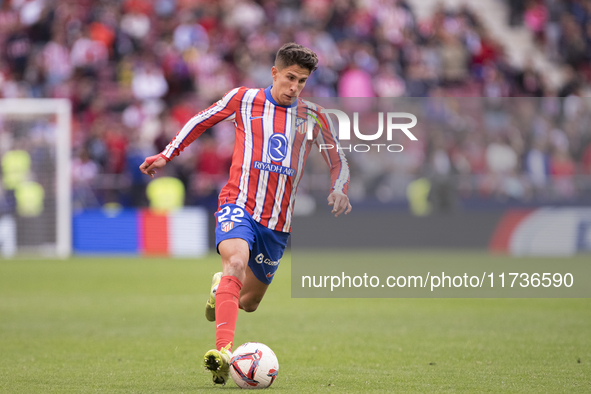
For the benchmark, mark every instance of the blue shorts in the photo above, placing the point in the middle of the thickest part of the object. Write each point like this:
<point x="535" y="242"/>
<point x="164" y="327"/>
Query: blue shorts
<point x="266" y="245"/>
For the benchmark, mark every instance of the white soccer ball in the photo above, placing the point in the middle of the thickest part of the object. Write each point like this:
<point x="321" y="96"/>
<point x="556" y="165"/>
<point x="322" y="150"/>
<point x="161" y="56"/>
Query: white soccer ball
<point x="254" y="366"/>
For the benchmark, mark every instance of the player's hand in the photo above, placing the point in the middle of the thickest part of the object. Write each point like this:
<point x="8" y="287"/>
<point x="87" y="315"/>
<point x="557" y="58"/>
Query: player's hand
<point x="151" y="164"/>
<point x="340" y="203"/>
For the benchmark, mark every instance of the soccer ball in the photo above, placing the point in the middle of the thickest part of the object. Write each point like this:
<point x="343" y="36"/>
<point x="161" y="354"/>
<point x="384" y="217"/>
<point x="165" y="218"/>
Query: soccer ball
<point x="254" y="366"/>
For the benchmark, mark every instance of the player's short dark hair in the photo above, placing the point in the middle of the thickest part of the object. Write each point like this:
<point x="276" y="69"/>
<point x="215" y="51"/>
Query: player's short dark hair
<point x="292" y="53"/>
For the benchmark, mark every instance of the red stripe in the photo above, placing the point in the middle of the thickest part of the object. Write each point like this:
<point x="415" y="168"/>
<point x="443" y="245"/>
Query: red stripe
<point x="501" y="238"/>
<point x="155" y="233"/>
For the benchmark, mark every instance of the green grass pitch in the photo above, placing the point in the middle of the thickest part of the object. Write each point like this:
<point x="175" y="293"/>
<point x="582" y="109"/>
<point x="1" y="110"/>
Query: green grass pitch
<point x="133" y="325"/>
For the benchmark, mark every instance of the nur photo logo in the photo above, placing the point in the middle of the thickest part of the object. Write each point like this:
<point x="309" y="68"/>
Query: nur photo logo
<point x="390" y="122"/>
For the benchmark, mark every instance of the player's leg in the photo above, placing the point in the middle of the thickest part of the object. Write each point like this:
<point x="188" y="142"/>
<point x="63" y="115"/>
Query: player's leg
<point x="235" y="253"/>
<point x="250" y="255"/>
<point x="252" y="293"/>
<point x="232" y="293"/>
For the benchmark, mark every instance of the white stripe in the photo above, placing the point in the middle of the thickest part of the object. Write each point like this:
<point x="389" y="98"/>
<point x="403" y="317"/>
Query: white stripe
<point x="194" y="121"/>
<point x="268" y="120"/>
<point x="246" y="112"/>
<point x="282" y="180"/>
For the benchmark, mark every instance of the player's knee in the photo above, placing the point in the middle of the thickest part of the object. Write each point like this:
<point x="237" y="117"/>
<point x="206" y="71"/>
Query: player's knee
<point x="235" y="267"/>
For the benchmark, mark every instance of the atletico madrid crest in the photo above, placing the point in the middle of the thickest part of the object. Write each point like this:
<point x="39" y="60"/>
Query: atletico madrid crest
<point x="227" y="226"/>
<point x="299" y="121"/>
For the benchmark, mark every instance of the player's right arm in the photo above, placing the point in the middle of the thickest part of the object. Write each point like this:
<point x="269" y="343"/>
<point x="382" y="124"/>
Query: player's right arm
<point x="224" y="110"/>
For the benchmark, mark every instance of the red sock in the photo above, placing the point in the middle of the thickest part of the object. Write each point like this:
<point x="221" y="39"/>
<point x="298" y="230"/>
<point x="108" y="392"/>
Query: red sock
<point x="226" y="310"/>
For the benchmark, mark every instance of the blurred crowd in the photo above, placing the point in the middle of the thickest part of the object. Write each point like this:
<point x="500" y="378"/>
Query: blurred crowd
<point x="562" y="28"/>
<point x="475" y="151"/>
<point x="137" y="70"/>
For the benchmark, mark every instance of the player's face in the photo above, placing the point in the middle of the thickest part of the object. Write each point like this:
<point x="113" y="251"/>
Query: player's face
<point x="288" y="83"/>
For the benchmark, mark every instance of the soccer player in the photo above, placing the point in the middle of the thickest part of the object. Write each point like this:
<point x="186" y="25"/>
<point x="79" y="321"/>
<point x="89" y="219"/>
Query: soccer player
<point x="253" y="221"/>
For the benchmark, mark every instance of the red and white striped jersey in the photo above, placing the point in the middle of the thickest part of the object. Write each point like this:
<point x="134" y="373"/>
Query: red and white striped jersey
<point x="270" y="151"/>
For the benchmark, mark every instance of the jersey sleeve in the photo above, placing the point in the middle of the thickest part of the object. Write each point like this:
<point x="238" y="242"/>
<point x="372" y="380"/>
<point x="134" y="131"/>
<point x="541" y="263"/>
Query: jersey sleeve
<point x="223" y="110"/>
<point x="334" y="157"/>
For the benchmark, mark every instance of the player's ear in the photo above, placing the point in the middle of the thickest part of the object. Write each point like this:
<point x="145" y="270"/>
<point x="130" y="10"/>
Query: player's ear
<point x="274" y="72"/>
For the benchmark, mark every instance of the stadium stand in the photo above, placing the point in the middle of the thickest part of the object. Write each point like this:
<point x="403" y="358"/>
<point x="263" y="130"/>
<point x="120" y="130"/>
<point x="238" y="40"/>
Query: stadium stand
<point x="136" y="70"/>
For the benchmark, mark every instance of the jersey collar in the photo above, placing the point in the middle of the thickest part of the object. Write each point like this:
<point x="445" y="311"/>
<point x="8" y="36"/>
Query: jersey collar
<point x="272" y="100"/>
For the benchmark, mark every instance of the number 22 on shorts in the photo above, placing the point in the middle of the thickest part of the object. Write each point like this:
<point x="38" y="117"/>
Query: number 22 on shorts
<point x="236" y="214"/>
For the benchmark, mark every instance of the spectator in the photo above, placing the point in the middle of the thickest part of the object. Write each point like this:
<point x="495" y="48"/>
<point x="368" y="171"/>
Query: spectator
<point x="355" y="82"/>
<point x="535" y="17"/>
<point x="148" y="82"/>
<point x="56" y="60"/>
<point x="88" y="54"/>
<point x="562" y="169"/>
<point x="454" y="60"/>
<point x="84" y="171"/>
<point x="136" y="25"/>
<point x="537" y="163"/>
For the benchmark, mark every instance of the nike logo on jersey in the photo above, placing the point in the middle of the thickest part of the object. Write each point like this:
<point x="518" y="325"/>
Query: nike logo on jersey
<point x="256" y="117"/>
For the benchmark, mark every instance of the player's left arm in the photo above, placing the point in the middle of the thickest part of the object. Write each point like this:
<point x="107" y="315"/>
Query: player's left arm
<point x="339" y="168"/>
<point x="340" y="203"/>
